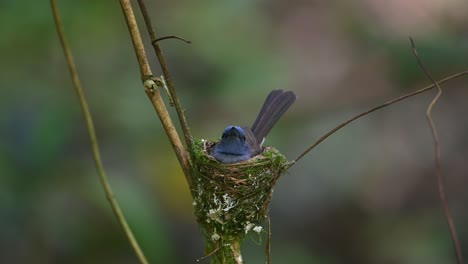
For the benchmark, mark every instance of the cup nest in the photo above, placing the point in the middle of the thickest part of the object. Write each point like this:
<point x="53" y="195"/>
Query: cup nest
<point x="230" y="200"/>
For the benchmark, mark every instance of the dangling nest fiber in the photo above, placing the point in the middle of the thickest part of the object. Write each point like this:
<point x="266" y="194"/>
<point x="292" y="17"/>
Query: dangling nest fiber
<point x="232" y="199"/>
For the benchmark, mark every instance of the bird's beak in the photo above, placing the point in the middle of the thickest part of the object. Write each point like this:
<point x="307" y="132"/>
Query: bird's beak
<point x="233" y="132"/>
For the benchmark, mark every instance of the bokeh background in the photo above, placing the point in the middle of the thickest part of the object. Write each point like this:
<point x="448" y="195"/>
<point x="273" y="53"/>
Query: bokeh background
<point x="366" y="195"/>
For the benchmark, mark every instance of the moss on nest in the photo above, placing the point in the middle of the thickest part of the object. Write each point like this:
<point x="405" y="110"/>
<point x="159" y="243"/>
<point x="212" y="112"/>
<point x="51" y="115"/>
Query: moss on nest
<point x="230" y="200"/>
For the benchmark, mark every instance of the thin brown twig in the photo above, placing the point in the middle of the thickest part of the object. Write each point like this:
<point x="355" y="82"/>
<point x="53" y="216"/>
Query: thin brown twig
<point x="171" y="37"/>
<point x="92" y="135"/>
<point x="400" y="98"/>
<point x="438" y="166"/>
<point x="268" y="242"/>
<point x="153" y="92"/>
<point x="167" y="76"/>
<point x="210" y="254"/>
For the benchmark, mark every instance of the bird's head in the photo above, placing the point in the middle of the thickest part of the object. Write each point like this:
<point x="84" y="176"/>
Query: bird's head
<point x="233" y="133"/>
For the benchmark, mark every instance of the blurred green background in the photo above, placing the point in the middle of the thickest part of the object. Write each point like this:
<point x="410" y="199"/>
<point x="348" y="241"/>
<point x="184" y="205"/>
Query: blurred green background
<point x="366" y="195"/>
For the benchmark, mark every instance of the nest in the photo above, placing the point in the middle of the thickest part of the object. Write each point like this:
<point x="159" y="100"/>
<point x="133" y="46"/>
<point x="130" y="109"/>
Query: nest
<point x="230" y="200"/>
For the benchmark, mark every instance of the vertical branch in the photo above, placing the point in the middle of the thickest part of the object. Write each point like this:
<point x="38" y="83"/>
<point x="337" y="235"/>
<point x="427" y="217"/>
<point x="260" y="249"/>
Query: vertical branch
<point x="438" y="167"/>
<point x="268" y="242"/>
<point x="152" y="90"/>
<point x="92" y="135"/>
<point x="167" y="76"/>
<point x="236" y="252"/>
<point x="140" y="53"/>
<point x="154" y="95"/>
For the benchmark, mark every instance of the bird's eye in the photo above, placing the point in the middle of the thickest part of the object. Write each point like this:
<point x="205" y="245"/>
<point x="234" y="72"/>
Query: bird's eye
<point x="224" y="135"/>
<point x="243" y="138"/>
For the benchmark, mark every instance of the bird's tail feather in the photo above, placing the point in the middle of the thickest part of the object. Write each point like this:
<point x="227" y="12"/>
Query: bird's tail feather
<point x="276" y="104"/>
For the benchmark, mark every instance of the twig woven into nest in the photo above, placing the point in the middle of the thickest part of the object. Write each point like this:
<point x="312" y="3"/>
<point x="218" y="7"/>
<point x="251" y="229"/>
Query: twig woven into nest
<point x="232" y="199"/>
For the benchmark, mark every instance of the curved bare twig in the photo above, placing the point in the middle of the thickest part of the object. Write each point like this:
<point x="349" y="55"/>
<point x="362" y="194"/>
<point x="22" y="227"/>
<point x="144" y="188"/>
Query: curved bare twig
<point x="354" y="118"/>
<point x="171" y="37"/>
<point x="438" y="167"/>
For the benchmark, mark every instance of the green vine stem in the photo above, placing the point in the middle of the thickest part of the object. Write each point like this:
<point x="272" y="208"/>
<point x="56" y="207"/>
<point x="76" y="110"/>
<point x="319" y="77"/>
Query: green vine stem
<point x="92" y="135"/>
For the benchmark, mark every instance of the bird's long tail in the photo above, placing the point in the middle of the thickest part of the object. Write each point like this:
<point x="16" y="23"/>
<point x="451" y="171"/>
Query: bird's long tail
<point x="276" y="104"/>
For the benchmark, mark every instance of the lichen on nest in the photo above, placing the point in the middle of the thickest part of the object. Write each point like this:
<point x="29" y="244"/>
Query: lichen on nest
<point x="231" y="200"/>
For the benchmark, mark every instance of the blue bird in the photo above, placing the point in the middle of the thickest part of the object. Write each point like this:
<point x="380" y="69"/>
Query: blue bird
<point x="242" y="143"/>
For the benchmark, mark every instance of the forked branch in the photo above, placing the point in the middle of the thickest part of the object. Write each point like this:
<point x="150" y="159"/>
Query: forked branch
<point x="167" y="76"/>
<point x="152" y="90"/>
